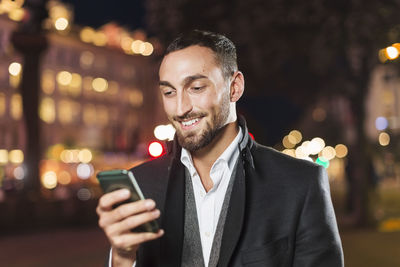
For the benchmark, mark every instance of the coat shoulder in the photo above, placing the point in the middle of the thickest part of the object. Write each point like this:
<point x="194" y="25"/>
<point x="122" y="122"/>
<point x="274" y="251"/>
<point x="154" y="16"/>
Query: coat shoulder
<point x="153" y="169"/>
<point x="282" y="166"/>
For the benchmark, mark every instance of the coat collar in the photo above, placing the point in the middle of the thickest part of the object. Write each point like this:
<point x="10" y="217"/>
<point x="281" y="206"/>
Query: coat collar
<point x="173" y="219"/>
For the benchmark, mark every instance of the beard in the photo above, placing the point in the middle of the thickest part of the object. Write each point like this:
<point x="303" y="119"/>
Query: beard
<point x="195" y="140"/>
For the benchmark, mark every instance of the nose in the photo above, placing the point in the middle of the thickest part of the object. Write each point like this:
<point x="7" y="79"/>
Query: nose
<point x="184" y="104"/>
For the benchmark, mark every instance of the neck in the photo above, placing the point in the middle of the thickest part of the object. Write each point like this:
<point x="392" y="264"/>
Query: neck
<point x="204" y="158"/>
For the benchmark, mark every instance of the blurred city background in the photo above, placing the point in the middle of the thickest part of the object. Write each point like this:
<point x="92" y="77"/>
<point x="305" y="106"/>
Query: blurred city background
<point x="79" y="94"/>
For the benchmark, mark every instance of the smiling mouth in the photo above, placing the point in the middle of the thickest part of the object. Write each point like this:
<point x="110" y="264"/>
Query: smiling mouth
<point x="190" y="123"/>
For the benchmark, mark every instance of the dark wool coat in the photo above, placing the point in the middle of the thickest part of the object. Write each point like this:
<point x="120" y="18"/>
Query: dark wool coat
<point x="280" y="212"/>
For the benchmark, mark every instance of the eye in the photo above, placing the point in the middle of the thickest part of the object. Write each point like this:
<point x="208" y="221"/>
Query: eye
<point x="169" y="93"/>
<point x="197" y="88"/>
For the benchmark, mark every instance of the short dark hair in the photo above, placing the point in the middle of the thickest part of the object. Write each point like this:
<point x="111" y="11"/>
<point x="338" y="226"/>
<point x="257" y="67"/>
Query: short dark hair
<point x="223" y="48"/>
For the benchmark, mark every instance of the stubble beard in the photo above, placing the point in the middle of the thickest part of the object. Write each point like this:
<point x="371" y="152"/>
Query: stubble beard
<point x="194" y="141"/>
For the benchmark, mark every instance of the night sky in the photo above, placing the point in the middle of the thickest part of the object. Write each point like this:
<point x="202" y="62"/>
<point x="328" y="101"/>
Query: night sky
<point x="97" y="13"/>
<point x="260" y="111"/>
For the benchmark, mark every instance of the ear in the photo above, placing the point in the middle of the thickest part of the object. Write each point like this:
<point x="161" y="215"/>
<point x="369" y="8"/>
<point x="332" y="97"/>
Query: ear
<point x="237" y="86"/>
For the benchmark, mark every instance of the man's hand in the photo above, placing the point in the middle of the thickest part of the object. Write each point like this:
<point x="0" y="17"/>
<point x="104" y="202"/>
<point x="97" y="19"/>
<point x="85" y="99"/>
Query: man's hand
<point x="117" y="224"/>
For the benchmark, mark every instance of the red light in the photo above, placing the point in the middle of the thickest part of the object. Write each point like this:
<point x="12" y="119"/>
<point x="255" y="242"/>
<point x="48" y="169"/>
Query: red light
<point x="155" y="149"/>
<point x="251" y="135"/>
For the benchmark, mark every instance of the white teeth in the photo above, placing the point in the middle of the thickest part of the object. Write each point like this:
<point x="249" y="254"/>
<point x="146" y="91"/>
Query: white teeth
<point x="188" y="123"/>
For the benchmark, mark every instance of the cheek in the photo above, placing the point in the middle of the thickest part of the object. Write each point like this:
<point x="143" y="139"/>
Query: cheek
<point x="169" y="106"/>
<point x="207" y="102"/>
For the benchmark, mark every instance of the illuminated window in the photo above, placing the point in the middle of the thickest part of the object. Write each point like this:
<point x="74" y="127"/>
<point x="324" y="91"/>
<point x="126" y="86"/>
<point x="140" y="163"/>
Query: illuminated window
<point x="86" y="60"/>
<point x="15" y="80"/>
<point x="48" y="82"/>
<point x="64" y="79"/>
<point x="87" y="83"/>
<point x="113" y="88"/>
<point x="89" y="114"/>
<point x="102" y="115"/>
<point x="135" y="98"/>
<point x="2" y="104"/>
<point x="65" y="112"/>
<point x="16" y="156"/>
<point x="47" y="111"/>
<point x="3" y="156"/>
<point x="16" y="106"/>
<point x="75" y="86"/>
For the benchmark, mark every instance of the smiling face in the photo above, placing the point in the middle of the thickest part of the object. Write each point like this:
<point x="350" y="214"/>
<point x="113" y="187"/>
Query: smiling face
<point x="195" y="95"/>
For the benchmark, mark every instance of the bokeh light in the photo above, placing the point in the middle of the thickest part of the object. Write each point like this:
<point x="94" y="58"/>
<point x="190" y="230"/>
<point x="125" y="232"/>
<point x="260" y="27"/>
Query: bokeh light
<point x="381" y="123"/>
<point x="296" y="135"/>
<point x="47" y="110"/>
<point x="3" y="156"/>
<point x="287" y="142"/>
<point x="84" y="194"/>
<point x="49" y="179"/>
<point x="86" y="59"/>
<point x="164" y="132"/>
<point x="301" y="152"/>
<point x="384" y="139"/>
<point x="84" y="171"/>
<point x="138" y="47"/>
<point x="15" y="68"/>
<point x="85" y="155"/>
<point x="61" y="24"/>
<point x="64" y="178"/>
<point x="16" y="156"/>
<point x="341" y="151"/>
<point x="99" y="38"/>
<point x="99" y="84"/>
<point x="148" y="49"/>
<point x="316" y="145"/>
<point x="19" y="173"/>
<point x="328" y="153"/>
<point x="87" y="34"/>
<point x="64" y="78"/>
<point x="16" y="14"/>
<point x="391" y="52"/>
<point x="16" y="106"/>
<point x="155" y="149"/>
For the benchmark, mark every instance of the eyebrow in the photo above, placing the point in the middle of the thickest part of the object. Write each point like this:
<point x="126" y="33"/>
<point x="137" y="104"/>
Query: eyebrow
<point x="165" y="83"/>
<point x="186" y="81"/>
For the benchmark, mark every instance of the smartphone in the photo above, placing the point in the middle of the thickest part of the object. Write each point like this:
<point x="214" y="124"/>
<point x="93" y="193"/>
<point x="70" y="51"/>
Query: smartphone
<point x="118" y="179"/>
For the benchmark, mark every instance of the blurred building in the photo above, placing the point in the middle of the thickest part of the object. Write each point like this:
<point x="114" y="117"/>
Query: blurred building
<point x="99" y="102"/>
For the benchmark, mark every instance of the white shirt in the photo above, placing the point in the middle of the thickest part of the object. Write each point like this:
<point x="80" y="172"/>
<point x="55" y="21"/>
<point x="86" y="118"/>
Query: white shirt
<point x="209" y="204"/>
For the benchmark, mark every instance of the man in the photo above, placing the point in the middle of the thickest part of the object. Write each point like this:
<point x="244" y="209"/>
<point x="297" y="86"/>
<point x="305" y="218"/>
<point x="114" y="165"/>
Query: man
<point x="221" y="198"/>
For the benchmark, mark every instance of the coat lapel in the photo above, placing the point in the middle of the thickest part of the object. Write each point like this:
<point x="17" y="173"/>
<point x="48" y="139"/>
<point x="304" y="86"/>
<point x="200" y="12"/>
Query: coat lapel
<point x="173" y="218"/>
<point x="234" y="217"/>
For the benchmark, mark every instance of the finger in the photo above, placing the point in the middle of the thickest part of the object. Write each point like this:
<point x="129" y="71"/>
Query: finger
<point x="133" y="208"/>
<point x="125" y="211"/>
<point x="132" y="222"/>
<point x="129" y="240"/>
<point x="108" y="200"/>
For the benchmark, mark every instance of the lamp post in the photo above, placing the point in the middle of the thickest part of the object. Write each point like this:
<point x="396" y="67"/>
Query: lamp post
<point x="30" y="40"/>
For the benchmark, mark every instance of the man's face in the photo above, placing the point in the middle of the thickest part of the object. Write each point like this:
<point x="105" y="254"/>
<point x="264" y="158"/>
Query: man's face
<point x="195" y="95"/>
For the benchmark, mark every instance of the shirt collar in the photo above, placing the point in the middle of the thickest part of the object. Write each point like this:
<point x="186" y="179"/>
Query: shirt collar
<point x="229" y="156"/>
